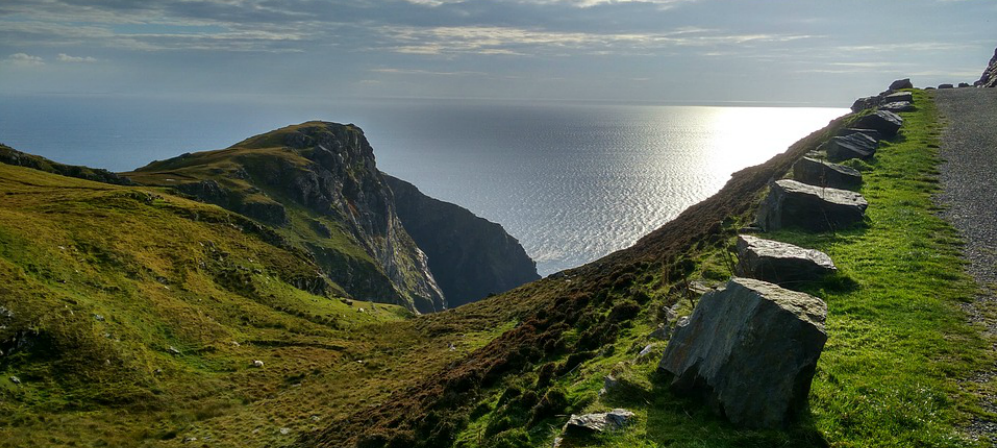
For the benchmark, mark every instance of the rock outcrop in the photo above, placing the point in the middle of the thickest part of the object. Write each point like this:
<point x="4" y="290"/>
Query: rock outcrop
<point x="780" y="263"/>
<point x="470" y="257"/>
<point x="795" y="204"/>
<point x="750" y="350"/>
<point x="899" y="106"/>
<point x="989" y="78"/>
<point x="825" y="174"/>
<point x="598" y="422"/>
<point x="11" y="156"/>
<point x="318" y="182"/>
<point x="887" y="123"/>
<point x="901" y="84"/>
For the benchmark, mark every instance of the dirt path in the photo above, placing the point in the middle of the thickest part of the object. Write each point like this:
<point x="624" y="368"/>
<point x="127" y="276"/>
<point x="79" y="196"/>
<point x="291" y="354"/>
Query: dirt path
<point x="969" y="193"/>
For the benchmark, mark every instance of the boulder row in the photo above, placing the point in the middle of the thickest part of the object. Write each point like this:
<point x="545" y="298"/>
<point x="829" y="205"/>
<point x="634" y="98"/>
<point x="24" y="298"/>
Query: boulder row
<point x="750" y="350"/>
<point x="780" y="263"/>
<point x="824" y="174"/>
<point x="795" y="204"/>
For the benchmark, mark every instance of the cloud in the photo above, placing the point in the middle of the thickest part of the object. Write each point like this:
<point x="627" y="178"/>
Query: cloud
<point x="25" y="60"/>
<point x="494" y="40"/>
<point x="63" y="57"/>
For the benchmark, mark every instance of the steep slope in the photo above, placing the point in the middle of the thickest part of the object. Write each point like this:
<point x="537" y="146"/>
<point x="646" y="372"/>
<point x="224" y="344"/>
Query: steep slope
<point x="470" y="257"/>
<point x="317" y="183"/>
<point x="989" y="77"/>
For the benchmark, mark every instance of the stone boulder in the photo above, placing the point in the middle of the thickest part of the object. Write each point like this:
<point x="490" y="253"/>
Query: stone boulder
<point x="901" y="84"/>
<point x="887" y="123"/>
<point x="852" y="146"/>
<point x="795" y="204"/>
<point x="871" y="133"/>
<point x="866" y="103"/>
<point x="963" y="85"/>
<point x="945" y="86"/>
<point x="780" y="263"/>
<point x="899" y="97"/>
<point x="750" y="350"/>
<point x="899" y="106"/>
<point x="825" y="174"/>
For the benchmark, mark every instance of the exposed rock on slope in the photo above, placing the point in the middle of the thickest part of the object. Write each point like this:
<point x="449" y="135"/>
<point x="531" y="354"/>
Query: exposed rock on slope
<point x="317" y="182"/>
<point x="470" y="257"/>
<point x="989" y="78"/>
<point x="14" y="157"/>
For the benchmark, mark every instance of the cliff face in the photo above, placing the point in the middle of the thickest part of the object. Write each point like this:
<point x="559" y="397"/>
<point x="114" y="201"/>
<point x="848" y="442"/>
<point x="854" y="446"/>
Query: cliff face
<point x="989" y="78"/>
<point x="318" y="184"/>
<point x="470" y="257"/>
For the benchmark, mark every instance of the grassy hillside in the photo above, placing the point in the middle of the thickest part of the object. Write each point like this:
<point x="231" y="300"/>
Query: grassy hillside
<point x="103" y="280"/>
<point x="892" y="374"/>
<point x="132" y="317"/>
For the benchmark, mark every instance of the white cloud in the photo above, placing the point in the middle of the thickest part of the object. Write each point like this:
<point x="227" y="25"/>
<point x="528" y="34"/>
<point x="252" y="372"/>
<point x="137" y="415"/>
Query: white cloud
<point x="63" y="57"/>
<point x="25" y="60"/>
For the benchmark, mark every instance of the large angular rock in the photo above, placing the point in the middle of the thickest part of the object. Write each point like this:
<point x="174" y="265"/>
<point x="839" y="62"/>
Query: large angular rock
<point x="887" y="123"/>
<point x="866" y="103"/>
<point x="852" y="146"/>
<point x="899" y="106"/>
<point x="899" y="97"/>
<point x="796" y="204"/>
<point x="871" y="133"/>
<point x="750" y="350"/>
<point x="825" y="174"/>
<point x="901" y="84"/>
<point x="780" y="263"/>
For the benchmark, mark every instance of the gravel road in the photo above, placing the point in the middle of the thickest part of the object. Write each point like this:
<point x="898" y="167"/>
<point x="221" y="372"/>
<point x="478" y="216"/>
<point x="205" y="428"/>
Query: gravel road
<point x="969" y="193"/>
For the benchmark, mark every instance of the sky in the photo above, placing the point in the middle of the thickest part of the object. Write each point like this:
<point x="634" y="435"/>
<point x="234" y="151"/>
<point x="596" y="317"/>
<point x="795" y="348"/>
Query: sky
<point x="667" y="51"/>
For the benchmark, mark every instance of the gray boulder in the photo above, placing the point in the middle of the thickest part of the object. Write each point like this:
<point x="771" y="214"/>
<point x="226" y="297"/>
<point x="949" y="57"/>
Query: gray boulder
<point x="899" y="97"/>
<point x="866" y="103"/>
<point x="945" y="86"/>
<point x="871" y="133"/>
<point x="825" y="174"/>
<point x="780" y="263"/>
<point x="901" y="84"/>
<point x="989" y="78"/>
<point x="887" y="123"/>
<point x="899" y="106"/>
<point x="963" y="85"/>
<point x="750" y="350"/>
<point x="852" y="146"/>
<point x="796" y="204"/>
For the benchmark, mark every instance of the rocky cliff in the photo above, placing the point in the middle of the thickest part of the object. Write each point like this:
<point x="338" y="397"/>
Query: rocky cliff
<point x="989" y="78"/>
<point x="317" y="183"/>
<point x="469" y="256"/>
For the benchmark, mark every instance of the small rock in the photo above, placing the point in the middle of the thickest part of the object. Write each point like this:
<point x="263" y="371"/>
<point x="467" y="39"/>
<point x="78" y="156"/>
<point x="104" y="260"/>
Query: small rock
<point x="257" y="363"/>
<point x="964" y="85"/>
<point x="173" y="350"/>
<point x="945" y="86"/>
<point x="316" y="418"/>
<point x="361" y="310"/>
<point x="15" y="380"/>
<point x="451" y="347"/>
<point x="285" y="431"/>
<point x="662" y="332"/>
<point x="189" y="439"/>
<point x="236" y="344"/>
<point x="866" y="103"/>
<point x="600" y="422"/>
<point x="901" y="84"/>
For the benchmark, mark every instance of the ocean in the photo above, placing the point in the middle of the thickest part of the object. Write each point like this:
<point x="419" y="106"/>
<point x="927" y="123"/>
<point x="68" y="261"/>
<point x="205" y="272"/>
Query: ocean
<point x="573" y="181"/>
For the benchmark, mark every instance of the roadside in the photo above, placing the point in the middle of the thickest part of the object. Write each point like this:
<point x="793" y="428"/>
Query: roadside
<point x="968" y="198"/>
